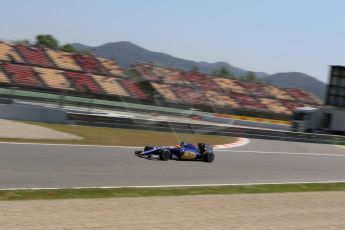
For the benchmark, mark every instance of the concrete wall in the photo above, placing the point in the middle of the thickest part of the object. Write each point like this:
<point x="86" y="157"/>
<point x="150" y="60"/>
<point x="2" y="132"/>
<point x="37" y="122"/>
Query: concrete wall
<point x="32" y="113"/>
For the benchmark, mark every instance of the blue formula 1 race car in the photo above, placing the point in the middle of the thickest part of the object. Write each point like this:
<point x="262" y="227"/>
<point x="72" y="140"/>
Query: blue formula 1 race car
<point x="184" y="151"/>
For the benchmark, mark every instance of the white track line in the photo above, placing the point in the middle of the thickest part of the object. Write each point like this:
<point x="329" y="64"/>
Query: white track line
<point x="240" y="142"/>
<point x="137" y="147"/>
<point x="283" y="153"/>
<point x="70" y="145"/>
<point x="341" y="146"/>
<point x="179" y="186"/>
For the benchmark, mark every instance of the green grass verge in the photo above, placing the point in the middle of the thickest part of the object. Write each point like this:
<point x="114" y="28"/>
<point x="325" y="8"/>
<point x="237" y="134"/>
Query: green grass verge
<point x="128" y="137"/>
<point x="48" y="194"/>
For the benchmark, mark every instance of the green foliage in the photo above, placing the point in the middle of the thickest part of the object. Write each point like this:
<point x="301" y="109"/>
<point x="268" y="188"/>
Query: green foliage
<point x="215" y="72"/>
<point x="85" y="52"/>
<point x="144" y="84"/>
<point x="133" y="74"/>
<point x="49" y="194"/>
<point x="195" y="69"/>
<point x="23" y="42"/>
<point x="224" y="72"/>
<point x="251" y="76"/>
<point x="68" y="48"/>
<point x="47" y="40"/>
<point x="266" y="81"/>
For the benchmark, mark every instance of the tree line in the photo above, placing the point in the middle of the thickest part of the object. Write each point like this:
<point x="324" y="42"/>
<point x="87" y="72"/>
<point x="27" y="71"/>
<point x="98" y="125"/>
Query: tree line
<point x="225" y="72"/>
<point x="49" y="41"/>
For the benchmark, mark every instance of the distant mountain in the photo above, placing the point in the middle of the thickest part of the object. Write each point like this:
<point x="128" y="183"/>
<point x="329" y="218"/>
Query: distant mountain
<point x="126" y="53"/>
<point x="298" y="80"/>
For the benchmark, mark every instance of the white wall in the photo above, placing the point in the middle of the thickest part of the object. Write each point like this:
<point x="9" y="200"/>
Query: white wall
<point x="32" y="113"/>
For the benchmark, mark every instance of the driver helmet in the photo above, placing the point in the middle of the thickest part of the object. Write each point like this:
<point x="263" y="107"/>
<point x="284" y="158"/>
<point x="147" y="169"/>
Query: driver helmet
<point x="177" y="146"/>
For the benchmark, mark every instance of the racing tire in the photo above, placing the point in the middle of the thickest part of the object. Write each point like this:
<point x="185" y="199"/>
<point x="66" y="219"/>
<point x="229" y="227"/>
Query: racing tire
<point x="164" y="155"/>
<point x="147" y="147"/>
<point x="209" y="157"/>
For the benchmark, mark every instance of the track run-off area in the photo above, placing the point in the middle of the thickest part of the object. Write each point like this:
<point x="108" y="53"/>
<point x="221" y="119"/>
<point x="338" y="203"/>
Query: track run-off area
<point x="260" y="161"/>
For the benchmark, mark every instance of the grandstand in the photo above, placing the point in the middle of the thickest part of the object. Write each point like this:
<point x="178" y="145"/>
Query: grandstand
<point x="196" y="88"/>
<point x="43" y="69"/>
<point x="39" y="68"/>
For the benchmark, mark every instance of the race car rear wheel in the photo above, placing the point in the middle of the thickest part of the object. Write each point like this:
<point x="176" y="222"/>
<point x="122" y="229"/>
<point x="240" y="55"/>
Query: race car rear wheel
<point x="147" y="147"/>
<point x="164" y="155"/>
<point x="209" y="157"/>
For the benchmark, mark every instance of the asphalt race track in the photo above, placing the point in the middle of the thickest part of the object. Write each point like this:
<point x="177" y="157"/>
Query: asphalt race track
<point x="261" y="161"/>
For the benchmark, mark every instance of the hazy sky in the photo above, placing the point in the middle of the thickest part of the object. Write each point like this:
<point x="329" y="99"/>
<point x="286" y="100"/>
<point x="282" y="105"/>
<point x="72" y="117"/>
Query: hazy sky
<point x="261" y="35"/>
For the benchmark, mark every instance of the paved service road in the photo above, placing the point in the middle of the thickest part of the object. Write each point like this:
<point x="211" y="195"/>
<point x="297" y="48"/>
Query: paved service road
<point x="29" y="166"/>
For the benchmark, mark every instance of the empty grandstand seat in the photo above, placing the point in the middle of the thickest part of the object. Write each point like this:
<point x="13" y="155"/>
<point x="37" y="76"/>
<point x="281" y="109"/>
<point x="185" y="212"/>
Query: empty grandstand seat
<point x="293" y="105"/>
<point x="274" y="105"/>
<point x="8" y="53"/>
<point x="34" y="55"/>
<point x="63" y="60"/>
<point x="21" y="75"/>
<point x="111" y="66"/>
<point x="208" y="85"/>
<point x="278" y="93"/>
<point x="53" y="78"/>
<point x="145" y="71"/>
<point x="189" y="95"/>
<point x="83" y="83"/>
<point x="165" y="91"/>
<point x="163" y="71"/>
<point x="194" y="76"/>
<point x="228" y="84"/>
<point x="133" y="88"/>
<point x="175" y="79"/>
<point x="200" y="80"/>
<point x="220" y="99"/>
<point x="110" y="85"/>
<point x="3" y="78"/>
<point x="173" y="76"/>
<point x="303" y="96"/>
<point x="254" y="88"/>
<point x="169" y="75"/>
<point x="248" y="102"/>
<point x="90" y="64"/>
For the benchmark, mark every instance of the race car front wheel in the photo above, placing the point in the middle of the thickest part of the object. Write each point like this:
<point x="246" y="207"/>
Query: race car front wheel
<point x="209" y="157"/>
<point x="164" y="155"/>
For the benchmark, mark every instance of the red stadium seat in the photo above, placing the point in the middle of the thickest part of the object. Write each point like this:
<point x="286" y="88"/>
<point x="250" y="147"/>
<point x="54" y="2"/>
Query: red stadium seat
<point x="90" y="64"/>
<point x="22" y="75"/>
<point x="34" y="55"/>
<point x="133" y="89"/>
<point x="83" y="83"/>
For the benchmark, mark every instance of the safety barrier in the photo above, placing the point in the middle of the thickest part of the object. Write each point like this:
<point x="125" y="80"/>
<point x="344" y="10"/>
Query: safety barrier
<point x="92" y="102"/>
<point x="248" y="123"/>
<point x="162" y="107"/>
<point x="168" y="126"/>
<point x="82" y="119"/>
